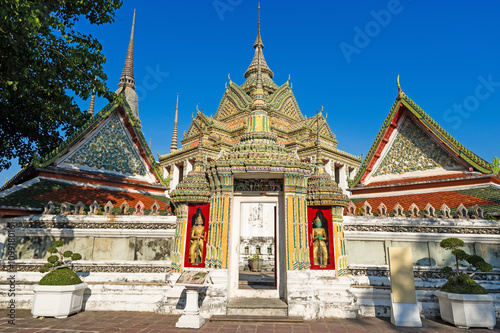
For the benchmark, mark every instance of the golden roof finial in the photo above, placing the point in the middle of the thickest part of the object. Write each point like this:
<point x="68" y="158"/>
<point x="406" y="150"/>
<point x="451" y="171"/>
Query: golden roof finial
<point x="400" y="91"/>
<point x="258" y="23"/>
<point x="258" y="41"/>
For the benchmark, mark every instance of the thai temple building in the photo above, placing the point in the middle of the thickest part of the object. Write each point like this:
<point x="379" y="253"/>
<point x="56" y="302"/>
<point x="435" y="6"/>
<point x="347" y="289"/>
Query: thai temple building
<point x="259" y="197"/>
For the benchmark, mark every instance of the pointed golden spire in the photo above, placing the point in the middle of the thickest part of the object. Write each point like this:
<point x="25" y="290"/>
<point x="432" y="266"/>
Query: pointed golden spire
<point x="258" y="41"/>
<point x="128" y="69"/>
<point x="259" y="55"/>
<point x="173" y="146"/>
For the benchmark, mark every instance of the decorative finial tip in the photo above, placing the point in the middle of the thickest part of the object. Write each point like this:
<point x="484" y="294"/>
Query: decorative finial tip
<point x="400" y="91"/>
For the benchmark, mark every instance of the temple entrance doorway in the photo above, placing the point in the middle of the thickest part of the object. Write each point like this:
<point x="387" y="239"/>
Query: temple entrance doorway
<point x="256" y="261"/>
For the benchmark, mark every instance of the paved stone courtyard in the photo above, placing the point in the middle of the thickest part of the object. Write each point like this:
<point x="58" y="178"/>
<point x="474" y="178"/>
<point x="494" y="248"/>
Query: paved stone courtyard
<point x="147" y="322"/>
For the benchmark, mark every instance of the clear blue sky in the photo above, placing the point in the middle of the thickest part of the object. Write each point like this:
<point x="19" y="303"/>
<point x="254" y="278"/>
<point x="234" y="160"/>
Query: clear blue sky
<point x="344" y="56"/>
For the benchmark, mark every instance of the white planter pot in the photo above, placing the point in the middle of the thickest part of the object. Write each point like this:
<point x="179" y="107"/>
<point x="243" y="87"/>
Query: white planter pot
<point x="467" y="310"/>
<point x="57" y="301"/>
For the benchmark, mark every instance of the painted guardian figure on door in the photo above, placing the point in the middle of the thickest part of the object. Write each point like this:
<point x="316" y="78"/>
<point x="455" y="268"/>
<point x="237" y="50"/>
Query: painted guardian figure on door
<point x="320" y="237"/>
<point x="197" y="231"/>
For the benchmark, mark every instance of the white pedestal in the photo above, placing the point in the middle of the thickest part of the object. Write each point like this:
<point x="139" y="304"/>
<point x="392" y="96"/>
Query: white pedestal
<point x="191" y="317"/>
<point x="405" y="314"/>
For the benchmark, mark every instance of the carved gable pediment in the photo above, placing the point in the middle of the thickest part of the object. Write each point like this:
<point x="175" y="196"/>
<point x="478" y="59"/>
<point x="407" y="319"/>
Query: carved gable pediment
<point x="412" y="149"/>
<point x="108" y="148"/>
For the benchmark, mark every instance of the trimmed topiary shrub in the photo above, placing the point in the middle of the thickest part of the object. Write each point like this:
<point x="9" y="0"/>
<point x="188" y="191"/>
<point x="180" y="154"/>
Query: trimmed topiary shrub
<point x="60" y="277"/>
<point x="60" y="273"/>
<point x="462" y="283"/>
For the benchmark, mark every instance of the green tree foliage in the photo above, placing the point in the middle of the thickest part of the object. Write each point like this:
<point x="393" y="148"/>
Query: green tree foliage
<point x="462" y="283"/>
<point x="44" y="62"/>
<point x="56" y="260"/>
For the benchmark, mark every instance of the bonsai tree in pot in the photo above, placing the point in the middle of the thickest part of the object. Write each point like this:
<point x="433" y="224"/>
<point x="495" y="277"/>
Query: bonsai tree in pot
<point x="462" y="301"/>
<point x="60" y="292"/>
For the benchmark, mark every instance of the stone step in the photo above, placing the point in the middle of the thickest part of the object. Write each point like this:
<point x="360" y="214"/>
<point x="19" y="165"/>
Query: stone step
<point x="257" y="307"/>
<point x="258" y="319"/>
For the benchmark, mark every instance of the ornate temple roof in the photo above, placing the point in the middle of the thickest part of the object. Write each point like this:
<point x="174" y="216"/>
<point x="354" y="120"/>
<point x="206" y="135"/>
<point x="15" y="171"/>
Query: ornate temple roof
<point x="258" y="61"/>
<point x="111" y="142"/>
<point x="288" y="131"/>
<point x="194" y="187"/>
<point x="323" y="191"/>
<point x="418" y="121"/>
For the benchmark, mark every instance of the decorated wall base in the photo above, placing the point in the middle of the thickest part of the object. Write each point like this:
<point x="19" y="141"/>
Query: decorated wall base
<point x="319" y="294"/>
<point x="364" y="293"/>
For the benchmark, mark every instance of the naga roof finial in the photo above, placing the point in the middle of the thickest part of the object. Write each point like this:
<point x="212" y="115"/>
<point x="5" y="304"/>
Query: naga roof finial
<point x="400" y="91"/>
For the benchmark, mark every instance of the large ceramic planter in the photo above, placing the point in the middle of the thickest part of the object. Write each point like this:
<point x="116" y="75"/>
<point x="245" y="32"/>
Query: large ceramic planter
<point x="467" y="310"/>
<point x="57" y="301"/>
<point x="255" y="265"/>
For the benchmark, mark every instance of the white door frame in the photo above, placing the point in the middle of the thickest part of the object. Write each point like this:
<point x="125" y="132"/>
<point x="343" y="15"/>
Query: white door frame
<point x="234" y="249"/>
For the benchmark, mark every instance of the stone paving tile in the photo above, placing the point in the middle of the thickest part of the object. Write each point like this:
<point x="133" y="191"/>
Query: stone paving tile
<point x="140" y="322"/>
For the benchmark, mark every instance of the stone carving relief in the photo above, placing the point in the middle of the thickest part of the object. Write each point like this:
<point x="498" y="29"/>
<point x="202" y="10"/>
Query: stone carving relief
<point x="49" y="208"/>
<point x="414" y="210"/>
<point x="139" y="208"/>
<point x="382" y="210"/>
<point x="94" y="208"/>
<point x="398" y="210"/>
<point x="478" y="212"/>
<point x="65" y="209"/>
<point x="462" y="212"/>
<point x="108" y="208"/>
<point x="124" y="208"/>
<point x="351" y="209"/>
<point x="79" y="208"/>
<point x="267" y="185"/>
<point x="445" y="212"/>
<point x="367" y="209"/>
<point x="155" y="209"/>
<point x="429" y="211"/>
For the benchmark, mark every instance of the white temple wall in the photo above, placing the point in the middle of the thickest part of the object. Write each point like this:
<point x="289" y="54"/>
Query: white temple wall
<point x="174" y="179"/>
<point x="118" y="283"/>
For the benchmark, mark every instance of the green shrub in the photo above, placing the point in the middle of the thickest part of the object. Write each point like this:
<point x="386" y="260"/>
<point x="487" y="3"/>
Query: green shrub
<point x="60" y="277"/>
<point x="462" y="283"/>
<point x="56" y="260"/>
